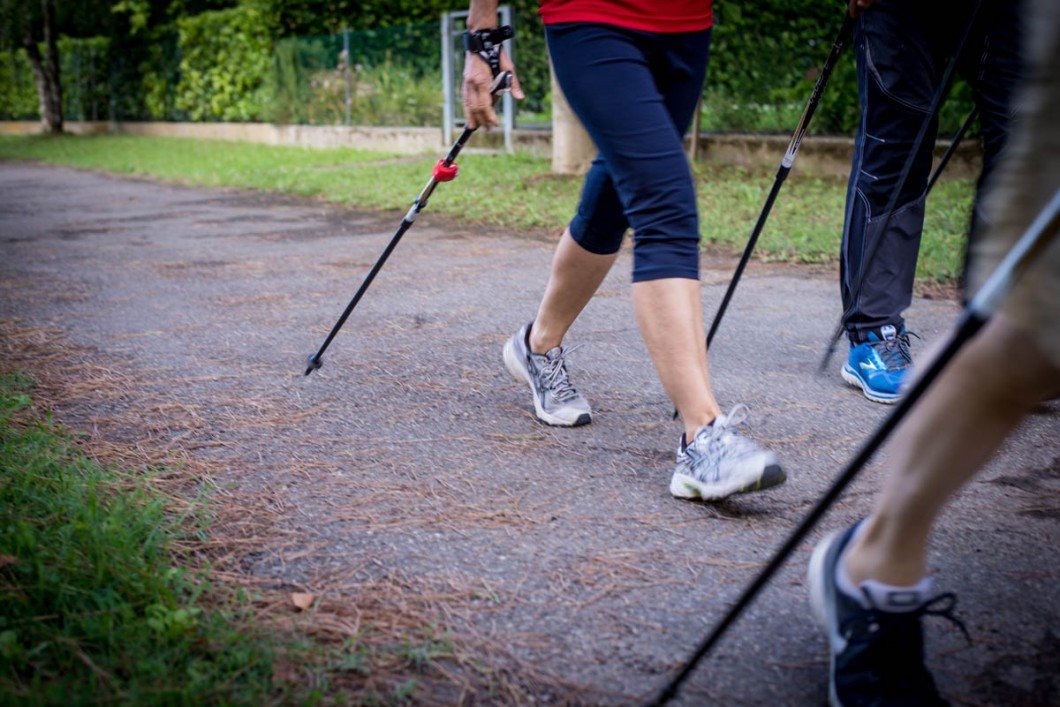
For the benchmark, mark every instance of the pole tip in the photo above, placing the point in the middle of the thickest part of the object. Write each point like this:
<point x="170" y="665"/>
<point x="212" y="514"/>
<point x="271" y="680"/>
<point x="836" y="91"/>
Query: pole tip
<point x="313" y="362"/>
<point x="826" y="359"/>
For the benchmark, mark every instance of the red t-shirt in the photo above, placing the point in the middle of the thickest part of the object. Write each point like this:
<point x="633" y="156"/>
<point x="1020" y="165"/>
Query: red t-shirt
<point x="647" y="15"/>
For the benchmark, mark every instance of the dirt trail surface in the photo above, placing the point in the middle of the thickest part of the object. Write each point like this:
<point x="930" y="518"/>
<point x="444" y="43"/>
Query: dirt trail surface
<point x="413" y="457"/>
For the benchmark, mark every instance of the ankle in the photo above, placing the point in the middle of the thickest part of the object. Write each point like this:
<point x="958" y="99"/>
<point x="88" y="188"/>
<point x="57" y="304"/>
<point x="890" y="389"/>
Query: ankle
<point x="696" y="424"/>
<point x="875" y="555"/>
<point x="540" y="340"/>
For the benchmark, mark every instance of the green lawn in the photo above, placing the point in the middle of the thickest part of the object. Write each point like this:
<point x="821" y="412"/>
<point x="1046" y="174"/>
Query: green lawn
<point x="97" y="605"/>
<point x="506" y="191"/>
<point x="92" y="607"/>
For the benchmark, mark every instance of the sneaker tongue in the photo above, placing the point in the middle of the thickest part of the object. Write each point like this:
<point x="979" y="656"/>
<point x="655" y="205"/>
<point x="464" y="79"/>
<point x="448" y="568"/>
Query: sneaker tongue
<point x="554" y="353"/>
<point x="889" y="332"/>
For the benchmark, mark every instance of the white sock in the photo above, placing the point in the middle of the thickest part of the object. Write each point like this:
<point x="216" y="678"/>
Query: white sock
<point x="894" y="599"/>
<point x="885" y="597"/>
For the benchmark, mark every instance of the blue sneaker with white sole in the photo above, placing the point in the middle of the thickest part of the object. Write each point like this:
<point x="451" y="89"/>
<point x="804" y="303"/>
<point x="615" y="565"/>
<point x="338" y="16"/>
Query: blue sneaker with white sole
<point x="881" y="365"/>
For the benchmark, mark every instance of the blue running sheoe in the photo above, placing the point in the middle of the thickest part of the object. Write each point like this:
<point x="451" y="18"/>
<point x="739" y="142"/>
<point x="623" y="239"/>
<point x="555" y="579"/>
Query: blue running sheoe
<point x="881" y="365"/>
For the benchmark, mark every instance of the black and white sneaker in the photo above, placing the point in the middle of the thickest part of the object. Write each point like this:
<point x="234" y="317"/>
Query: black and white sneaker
<point x="877" y="656"/>
<point x="556" y="402"/>
<point x="719" y="463"/>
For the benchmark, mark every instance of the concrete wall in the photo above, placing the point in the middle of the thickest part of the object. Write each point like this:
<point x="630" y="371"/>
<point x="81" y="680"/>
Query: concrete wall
<point x="403" y="140"/>
<point x="819" y="156"/>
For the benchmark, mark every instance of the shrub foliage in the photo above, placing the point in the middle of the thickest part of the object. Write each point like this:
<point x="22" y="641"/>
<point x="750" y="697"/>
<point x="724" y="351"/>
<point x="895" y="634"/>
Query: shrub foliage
<point x="284" y="61"/>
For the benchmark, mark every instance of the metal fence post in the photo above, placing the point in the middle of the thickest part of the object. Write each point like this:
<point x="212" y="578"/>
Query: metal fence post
<point x="507" y="102"/>
<point x="447" y="80"/>
<point x="346" y="70"/>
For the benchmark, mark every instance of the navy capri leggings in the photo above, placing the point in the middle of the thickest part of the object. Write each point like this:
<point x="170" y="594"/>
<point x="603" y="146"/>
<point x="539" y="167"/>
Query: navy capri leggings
<point x="635" y="93"/>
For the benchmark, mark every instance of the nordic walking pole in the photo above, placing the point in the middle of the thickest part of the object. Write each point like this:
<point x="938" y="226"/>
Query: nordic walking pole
<point x="892" y="203"/>
<point x="985" y="303"/>
<point x="841" y="41"/>
<point x="445" y="170"/>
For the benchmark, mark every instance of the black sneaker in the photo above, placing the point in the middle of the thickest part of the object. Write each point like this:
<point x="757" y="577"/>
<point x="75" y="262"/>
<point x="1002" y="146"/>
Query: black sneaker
<point x="877" y="657"/>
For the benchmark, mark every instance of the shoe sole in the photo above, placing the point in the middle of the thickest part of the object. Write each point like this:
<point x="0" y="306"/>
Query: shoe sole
<point x="519" y="373"/>
<point x="815" y="584"/>
<point x="853" y="379"/>
<point x="684" y="486"/>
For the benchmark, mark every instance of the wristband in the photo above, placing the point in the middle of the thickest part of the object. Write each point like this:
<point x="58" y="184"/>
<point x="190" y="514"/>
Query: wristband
<point x="484" y="40"/>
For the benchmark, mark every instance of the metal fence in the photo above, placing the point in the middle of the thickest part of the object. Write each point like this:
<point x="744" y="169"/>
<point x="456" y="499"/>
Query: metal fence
<point x="375" y="77"/>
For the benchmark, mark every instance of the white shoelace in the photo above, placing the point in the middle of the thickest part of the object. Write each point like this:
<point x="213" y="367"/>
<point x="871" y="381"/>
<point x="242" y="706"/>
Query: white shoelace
<point x="715" y="444"/>
<point x="555" y="377"/>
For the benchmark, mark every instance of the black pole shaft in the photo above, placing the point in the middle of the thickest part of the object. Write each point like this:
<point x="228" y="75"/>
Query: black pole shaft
<point x="782" y="174"/>
<point x="418" y="205"/>
<point x="405" y="225"/>
<point x="840" y="43"/>
<point x="1038" y="236"/>
<point x="454" y="151"/>
<point x="501" y="82"/>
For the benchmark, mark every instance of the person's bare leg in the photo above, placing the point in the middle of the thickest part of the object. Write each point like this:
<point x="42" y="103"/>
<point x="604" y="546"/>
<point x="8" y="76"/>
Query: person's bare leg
<point x="576" y="275"/>
<point x="984" y="392"/>
<point x="670" y="317"/>
<point x="668" y="312"/>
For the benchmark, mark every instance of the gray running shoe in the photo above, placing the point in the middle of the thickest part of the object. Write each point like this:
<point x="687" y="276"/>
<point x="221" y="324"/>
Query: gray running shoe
<point x="719" y="462"/>
<point x="556" y="402"/>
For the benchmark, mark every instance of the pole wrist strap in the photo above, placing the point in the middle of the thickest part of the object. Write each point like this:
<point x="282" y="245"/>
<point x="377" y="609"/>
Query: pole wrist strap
<point x="486" y="43"/>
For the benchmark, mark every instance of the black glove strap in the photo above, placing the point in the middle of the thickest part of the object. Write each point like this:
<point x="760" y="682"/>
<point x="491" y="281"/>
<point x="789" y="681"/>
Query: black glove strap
<point x="486" y="43"/>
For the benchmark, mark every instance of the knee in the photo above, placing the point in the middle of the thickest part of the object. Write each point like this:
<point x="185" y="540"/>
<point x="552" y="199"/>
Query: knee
<point x="600" y="234"/>
<point x="660" y="256"/>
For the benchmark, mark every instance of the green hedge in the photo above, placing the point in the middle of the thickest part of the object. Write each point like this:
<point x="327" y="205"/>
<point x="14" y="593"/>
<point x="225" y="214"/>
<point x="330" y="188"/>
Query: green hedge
<point x="224" y="64"/>
<point x="159" y="76"/>
<point x="393" y="75"/>
<point x="765" y="57"/>
<point x="18" y="94"/>
<point x="85" y="68"/>
<point x="252" y="62"/>
<point x="86" y="75"/>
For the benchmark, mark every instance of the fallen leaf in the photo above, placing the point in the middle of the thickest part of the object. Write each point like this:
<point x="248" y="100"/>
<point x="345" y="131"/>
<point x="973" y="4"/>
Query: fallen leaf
<point x="6" y="560"/>
<point x="302" y="600"/>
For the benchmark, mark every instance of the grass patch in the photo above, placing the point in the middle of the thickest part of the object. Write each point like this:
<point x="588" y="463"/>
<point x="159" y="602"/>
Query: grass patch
<point x="807" y="219"/>
<point x="105" y="599"/>
<point x="508" y="191"/>
<point x="92" y="607"/>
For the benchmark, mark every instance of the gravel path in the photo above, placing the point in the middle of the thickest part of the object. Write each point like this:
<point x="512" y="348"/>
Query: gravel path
<point x="413" y="454"/>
